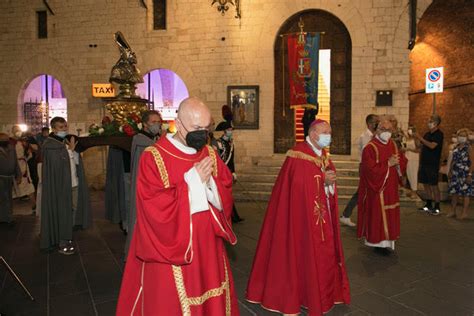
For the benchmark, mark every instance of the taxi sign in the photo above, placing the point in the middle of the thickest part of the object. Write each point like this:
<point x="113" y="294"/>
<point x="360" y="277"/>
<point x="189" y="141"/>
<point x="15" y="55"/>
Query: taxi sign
<point x="103" y="90"/>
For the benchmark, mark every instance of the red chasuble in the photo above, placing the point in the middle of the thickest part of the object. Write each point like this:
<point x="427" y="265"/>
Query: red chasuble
<point x="299" y="259"/>
<point x="378" y="216"/>
<point x="177" y="263"/>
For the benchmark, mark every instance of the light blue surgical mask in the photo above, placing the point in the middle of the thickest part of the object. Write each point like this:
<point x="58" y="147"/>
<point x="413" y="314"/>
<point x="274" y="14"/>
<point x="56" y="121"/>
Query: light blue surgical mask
<point x="61" y="134"/>
<point x="324" y="140"/>
<point x="228" y="134"/>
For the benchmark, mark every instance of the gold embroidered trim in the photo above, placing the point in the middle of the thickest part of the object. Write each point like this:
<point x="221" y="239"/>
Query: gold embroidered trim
<point x="186" y="302"/>
<point x="318" y="161"/>
<point x="160" y="165"/>
<point x="317" y="210"/>
<point x="140" y="292"/>
<point x="384" y="216"/>
<point x="166" y="182"/>
<point x="211" y="210"/>
<point x="376" y="151"/>
<point x="212" y="154"/>
<point x="176" y="156"/>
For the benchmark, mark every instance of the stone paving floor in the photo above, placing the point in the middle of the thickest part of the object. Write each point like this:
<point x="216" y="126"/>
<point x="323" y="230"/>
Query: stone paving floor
<point x="430" y="274"/>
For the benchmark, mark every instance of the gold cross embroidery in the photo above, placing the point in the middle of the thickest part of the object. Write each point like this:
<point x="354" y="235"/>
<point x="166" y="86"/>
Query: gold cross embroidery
<point x="318" y="210"/>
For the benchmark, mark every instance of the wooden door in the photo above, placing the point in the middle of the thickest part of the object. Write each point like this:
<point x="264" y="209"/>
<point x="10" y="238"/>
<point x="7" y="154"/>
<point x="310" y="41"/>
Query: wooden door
<point x="337" y="39"/>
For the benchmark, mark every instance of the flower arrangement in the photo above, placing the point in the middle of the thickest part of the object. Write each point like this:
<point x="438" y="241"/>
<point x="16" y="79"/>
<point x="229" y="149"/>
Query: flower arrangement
<point x="130" y="127"/>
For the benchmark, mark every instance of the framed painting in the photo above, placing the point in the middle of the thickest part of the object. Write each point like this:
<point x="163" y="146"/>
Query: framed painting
<point x="243" y="101"/>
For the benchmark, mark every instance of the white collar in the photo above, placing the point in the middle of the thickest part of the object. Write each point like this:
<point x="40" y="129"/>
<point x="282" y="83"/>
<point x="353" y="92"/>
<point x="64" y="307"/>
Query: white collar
<point x="185" y="149"/>
<point x="381" y="140"/>
<point x="318" y="152"/>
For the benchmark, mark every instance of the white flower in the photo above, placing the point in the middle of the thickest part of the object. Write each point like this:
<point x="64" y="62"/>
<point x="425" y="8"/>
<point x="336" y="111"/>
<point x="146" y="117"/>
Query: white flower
<point x="101" y="130"/>
<point x="140" y="126"/>
<point x="121" y="129"/>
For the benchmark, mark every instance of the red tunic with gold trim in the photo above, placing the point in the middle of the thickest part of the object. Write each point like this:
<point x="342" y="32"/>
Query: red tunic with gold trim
<point x="378" y="216"/>
<point x="299" y="259"/>
<point x="177" y="263"/>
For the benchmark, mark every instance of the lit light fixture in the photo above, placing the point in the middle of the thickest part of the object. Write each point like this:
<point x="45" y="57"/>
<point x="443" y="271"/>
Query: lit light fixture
<point x="23" y="127"/>
<point x="223" y="6"/>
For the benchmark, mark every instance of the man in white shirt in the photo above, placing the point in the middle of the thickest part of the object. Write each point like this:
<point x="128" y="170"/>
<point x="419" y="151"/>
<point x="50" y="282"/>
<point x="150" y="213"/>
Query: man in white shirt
<point x="371" y="121"/>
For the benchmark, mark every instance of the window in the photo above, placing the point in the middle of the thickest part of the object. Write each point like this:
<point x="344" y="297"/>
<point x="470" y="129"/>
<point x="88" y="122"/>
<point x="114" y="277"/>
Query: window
<point x="42" y="24"/>
<point x="159" y="14"/>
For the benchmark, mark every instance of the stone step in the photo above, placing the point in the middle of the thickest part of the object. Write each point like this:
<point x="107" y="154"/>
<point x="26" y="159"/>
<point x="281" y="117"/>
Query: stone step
<point x="281" y="157"/>
<point x="341" y="172"/>
<point x="271" y="178"/>
<point x="268" y="186"/>
<point x="247" y="177"/>
<point x="344" y="164"/>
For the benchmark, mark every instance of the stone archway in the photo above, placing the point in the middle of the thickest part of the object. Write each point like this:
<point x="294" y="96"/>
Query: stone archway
<point x="41" y="99"/>
<point x="338" y="40"/>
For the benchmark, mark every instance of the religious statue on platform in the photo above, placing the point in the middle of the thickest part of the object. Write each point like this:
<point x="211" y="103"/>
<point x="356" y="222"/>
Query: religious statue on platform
<point x="125" y="72"/>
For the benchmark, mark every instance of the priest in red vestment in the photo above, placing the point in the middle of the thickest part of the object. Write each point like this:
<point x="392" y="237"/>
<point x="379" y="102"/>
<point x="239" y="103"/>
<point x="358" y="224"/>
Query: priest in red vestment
<point x="381" y="168"/>
<point x="177" y="263"/>
<point x="299" y="260"/>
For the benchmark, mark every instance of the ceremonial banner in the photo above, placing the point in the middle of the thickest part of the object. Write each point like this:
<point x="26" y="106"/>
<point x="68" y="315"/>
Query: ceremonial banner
<point x="303" y="57"/>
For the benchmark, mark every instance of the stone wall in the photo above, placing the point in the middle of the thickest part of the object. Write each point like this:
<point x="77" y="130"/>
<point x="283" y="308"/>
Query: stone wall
<point x="207" y="50"/>
<point x="445" y="39"/>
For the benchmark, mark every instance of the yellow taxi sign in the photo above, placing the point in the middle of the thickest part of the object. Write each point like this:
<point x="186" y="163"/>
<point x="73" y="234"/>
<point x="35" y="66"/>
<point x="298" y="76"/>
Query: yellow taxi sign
<point x="103" y="90"/>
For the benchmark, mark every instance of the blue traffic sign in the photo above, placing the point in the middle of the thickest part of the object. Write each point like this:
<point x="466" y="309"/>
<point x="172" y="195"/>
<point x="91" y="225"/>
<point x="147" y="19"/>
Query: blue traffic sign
<point x="434" y="75"/>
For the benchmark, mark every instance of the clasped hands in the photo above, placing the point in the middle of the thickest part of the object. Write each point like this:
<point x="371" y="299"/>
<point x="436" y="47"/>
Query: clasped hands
<point x="204" y="169"/>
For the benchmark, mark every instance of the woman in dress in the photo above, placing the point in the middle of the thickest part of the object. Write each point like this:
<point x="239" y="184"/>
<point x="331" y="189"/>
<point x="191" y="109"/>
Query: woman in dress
<point x="413" y="157"/>
<point x="460" y="174"/>
<point x="24" y="188"/>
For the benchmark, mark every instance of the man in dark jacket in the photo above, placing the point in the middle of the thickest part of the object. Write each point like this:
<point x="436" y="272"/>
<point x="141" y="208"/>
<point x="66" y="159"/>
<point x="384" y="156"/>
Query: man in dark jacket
<point x="9" y="171"/>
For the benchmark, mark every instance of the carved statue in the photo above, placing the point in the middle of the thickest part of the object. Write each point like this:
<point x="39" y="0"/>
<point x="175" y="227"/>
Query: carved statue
<point x="125" y="72"/>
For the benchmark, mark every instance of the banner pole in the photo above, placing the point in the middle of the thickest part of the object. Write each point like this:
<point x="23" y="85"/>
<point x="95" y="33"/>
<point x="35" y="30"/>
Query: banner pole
<point x="283" y="75"/>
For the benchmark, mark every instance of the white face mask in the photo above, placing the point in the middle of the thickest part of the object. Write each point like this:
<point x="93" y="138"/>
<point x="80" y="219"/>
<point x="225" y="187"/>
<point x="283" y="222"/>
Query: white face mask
<point x="61" y="134"/>
<point x="324" y="140"/>
<point x="462" y="139"/>
<point x="431" y="125"/>
<point x="385" y="136"/>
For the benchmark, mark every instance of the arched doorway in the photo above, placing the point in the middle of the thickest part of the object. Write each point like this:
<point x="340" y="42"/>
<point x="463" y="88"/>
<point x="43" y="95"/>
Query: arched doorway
<point x="165" y="90"/>
<point x="42" y="99"/>
<point x="336" y="45"/>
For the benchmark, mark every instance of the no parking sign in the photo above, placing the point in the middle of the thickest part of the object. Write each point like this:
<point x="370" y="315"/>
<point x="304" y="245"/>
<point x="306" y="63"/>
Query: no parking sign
<point x="434" y="80"/>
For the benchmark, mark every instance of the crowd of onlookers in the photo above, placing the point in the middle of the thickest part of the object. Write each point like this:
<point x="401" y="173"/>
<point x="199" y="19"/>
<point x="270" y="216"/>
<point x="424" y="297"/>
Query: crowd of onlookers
<point x="424" y="165"/>
<point x="423" y="153"/>
<point x="20" y="154"/>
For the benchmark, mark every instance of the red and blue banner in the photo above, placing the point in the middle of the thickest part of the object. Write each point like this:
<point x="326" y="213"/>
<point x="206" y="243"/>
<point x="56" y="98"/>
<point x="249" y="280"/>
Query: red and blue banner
<point x="303" y="58"/>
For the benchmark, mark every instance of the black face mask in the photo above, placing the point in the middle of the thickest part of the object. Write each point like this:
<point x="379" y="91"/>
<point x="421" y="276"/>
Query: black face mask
<point x="4" y="143"/>
<point x="197" y="139"/>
